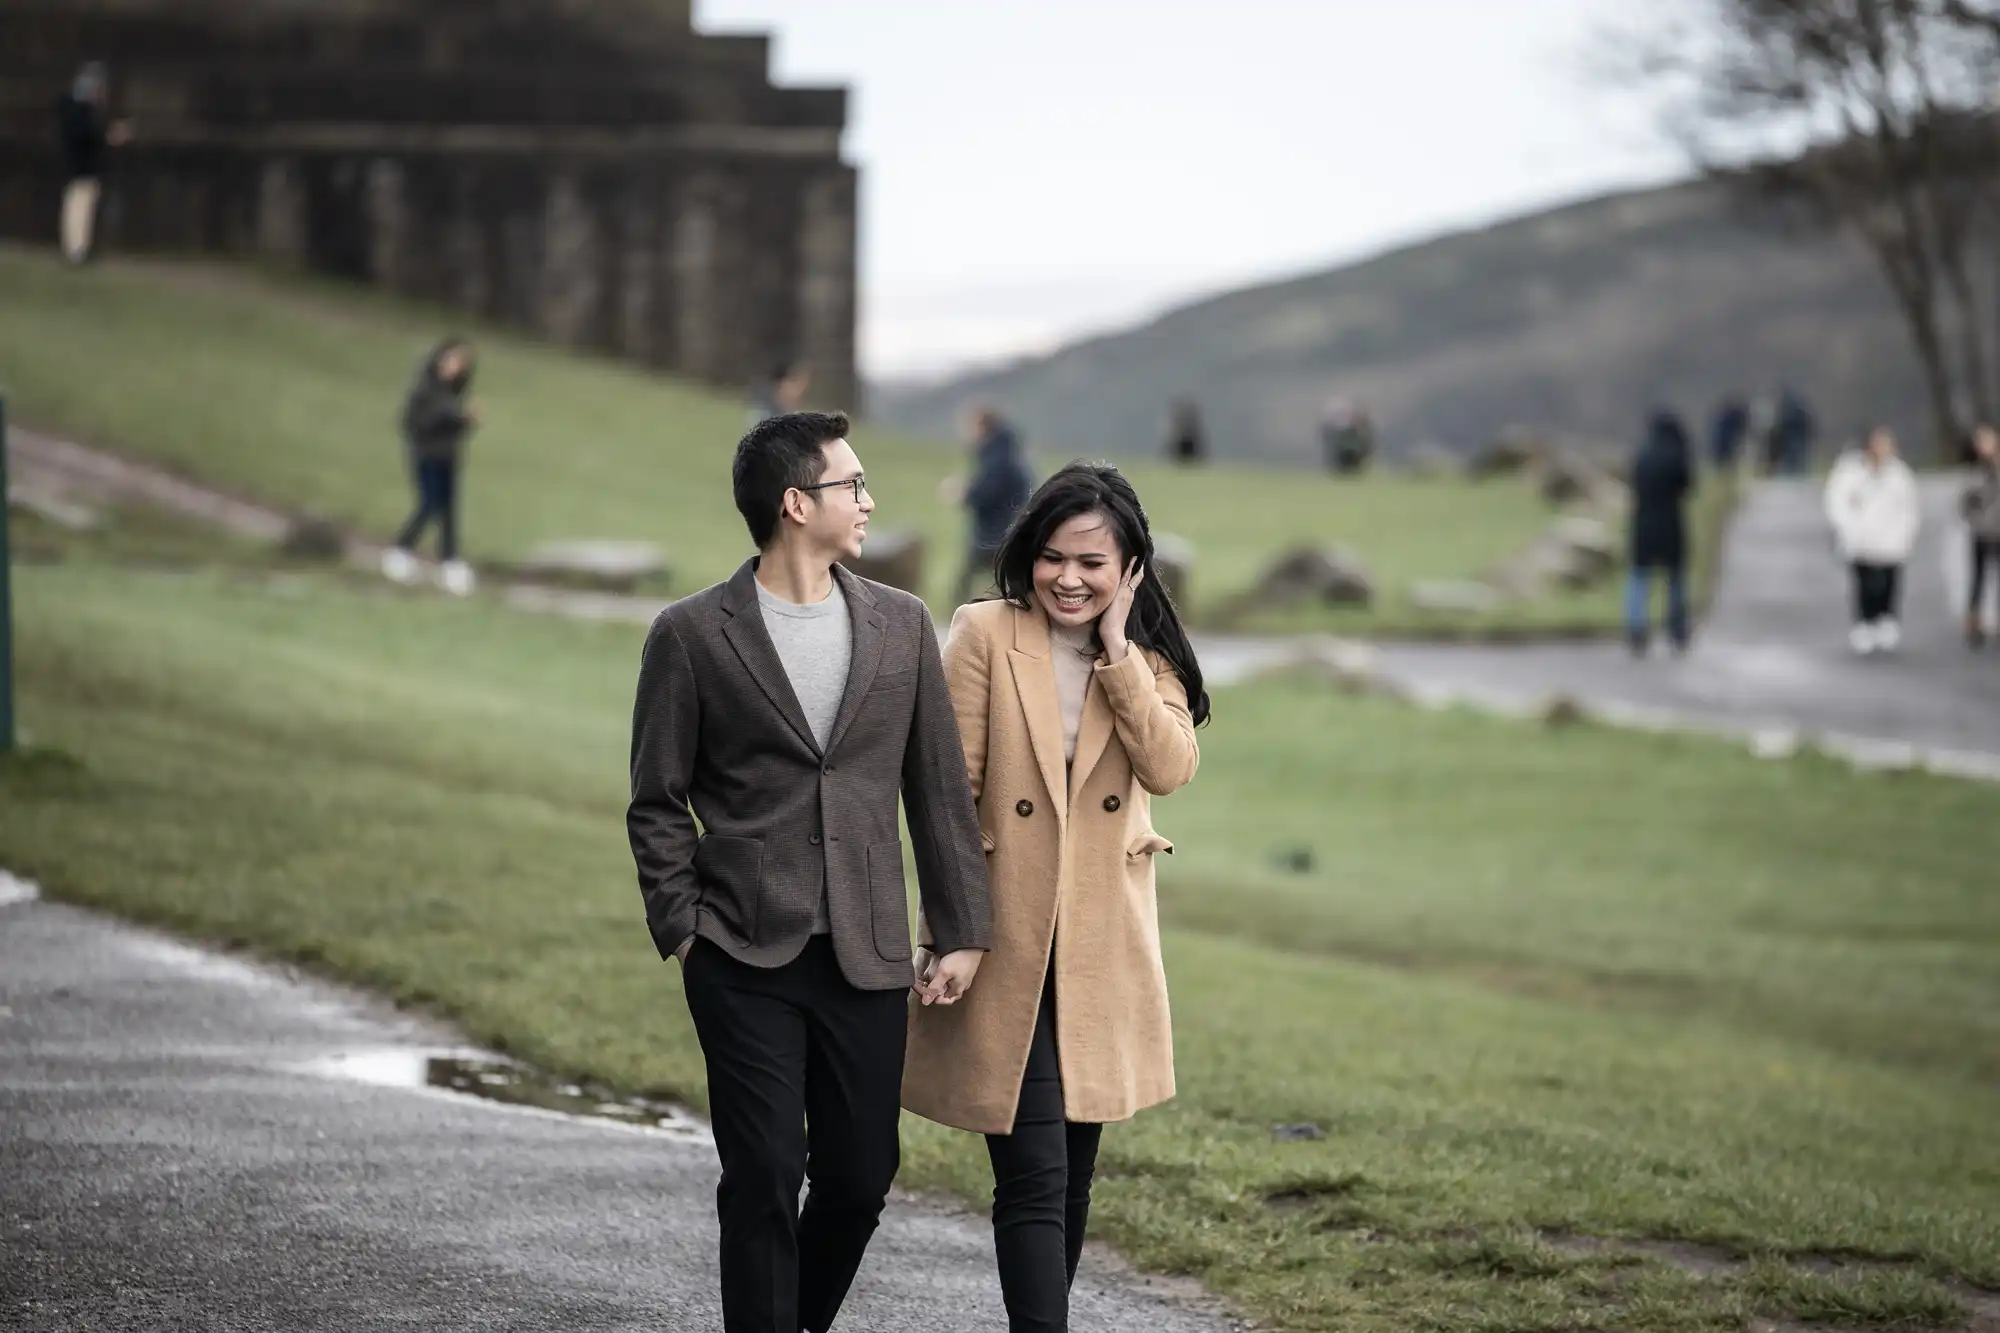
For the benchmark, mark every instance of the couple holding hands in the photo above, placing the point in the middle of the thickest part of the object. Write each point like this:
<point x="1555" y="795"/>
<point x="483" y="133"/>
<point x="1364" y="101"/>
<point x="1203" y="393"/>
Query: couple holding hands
<point x="786" y="710"/>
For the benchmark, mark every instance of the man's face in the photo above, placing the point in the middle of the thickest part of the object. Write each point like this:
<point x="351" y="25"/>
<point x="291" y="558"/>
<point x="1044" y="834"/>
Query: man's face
<point x="836" y="520"/>
<point x="1986" y="443"/>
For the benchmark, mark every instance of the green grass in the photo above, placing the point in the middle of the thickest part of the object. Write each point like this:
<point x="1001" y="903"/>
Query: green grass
<point x="286" y="389"/>
<point x="1542" y="984"/>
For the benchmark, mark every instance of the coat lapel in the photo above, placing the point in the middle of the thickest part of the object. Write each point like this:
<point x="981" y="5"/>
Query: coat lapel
<point x="752" y="641"/>
<point x="1093" y="734"/>
<point x="870" y="635"/>
<point x="1035" y="684"/>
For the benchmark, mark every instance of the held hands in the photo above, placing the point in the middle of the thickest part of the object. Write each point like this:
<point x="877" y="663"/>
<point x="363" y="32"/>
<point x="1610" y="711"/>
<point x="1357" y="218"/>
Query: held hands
<point x="1111" y="625"/>
<point x="945" y="980"/>
<point x="687" y="947"/>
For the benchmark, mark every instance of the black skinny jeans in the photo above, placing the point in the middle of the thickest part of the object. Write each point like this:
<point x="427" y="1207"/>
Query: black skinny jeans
<point x="1877" y="589"/>
<point x="1985" y="551"/>
<point x="1041" y="1189"/>
<point x="437" y="499"/>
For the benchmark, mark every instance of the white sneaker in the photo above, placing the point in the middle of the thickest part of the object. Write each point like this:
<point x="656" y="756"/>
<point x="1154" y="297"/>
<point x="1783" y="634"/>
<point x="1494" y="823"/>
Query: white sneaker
<point x="1862" y="639"/>
<point x="399" y="565"/>
<point x="1888" y="634"/>
<point x="456" y="577"/>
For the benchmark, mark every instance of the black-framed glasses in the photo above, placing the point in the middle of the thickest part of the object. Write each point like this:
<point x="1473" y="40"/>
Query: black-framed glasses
<point x="860" y="485"/>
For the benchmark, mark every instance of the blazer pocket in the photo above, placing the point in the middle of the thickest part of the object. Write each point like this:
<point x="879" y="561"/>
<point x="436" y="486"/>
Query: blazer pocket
<point x="730" y="874"/>
<point x="887" y="681"/>
<point x="1146" y="844"/>
<point x="889" y="901"/>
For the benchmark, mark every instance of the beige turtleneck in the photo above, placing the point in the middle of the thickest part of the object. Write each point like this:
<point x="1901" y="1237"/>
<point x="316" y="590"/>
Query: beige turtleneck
<point x="1075" y="653"/>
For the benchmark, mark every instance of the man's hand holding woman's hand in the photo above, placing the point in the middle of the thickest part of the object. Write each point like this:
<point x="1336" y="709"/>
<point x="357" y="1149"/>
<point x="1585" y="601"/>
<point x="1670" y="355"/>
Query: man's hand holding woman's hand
<point x="687" y="947"/>
<point x="945" y="980"/>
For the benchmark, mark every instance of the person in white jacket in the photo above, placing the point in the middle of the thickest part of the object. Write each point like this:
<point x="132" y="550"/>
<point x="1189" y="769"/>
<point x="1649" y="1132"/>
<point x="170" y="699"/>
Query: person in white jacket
<point x="1872" y="502"/>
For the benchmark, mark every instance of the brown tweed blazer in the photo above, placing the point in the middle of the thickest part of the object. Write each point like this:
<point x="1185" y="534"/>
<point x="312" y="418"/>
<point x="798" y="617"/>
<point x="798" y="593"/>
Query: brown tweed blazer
<point x="718" y="735"/>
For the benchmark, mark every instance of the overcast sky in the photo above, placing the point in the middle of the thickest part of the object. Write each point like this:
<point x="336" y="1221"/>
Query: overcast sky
<point x="1036" y="169"/>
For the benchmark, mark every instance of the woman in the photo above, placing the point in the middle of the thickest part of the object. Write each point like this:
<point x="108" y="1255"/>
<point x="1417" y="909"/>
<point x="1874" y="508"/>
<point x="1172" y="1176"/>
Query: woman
<point x="1872" y="502"/>
<point x="1662" y="476"/>
<point x="1077" y="694"/>
<point x="436" y="420"/>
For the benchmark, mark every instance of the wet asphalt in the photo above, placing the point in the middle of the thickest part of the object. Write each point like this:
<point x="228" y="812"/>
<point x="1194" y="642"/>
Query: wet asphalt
<point x="176" y="1153"/>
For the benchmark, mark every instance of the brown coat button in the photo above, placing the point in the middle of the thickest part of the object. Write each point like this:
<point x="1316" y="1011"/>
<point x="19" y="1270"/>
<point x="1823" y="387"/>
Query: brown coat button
<point x="1111" y="804"/>
<point x="1024" y="808"/>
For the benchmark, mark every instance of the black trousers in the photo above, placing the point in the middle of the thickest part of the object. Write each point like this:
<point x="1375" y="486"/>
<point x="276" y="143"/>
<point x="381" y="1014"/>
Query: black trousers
<point x="437" y="498"/>
<point x="805" y="1077"/>
<point x="1985" y="551"/>
<point x="1876" y="589"/>
<point x="1041" y="1189"/>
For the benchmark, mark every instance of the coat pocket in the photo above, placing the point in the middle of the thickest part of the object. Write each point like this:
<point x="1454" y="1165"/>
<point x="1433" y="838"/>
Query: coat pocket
<point x="986" y="843"/>
<point x="730" y="874"/>
<point x="1146" y="844"/>
<point x="888" y="901"/>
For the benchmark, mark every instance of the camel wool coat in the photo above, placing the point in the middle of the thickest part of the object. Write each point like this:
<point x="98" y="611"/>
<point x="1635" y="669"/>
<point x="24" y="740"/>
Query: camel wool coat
<point x="1070" y="868"/>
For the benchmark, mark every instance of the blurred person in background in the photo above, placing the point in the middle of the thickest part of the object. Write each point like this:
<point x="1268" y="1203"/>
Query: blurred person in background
<point x="1077" y="694"/>
<point x="1662" y="478"/>
<point x="999" y="484"/>
<point x="85" y="136"/>
<point x="1186" y="443"/>
<point x="1980" y="505"/>
<point x="437" y="417"/>
<point x="1347" y="436"/>
<point x="785" y="391"/>
<point x="1872" y="502"/>
<point x="1789" y="447"/>
<point x="1731" y="428"/>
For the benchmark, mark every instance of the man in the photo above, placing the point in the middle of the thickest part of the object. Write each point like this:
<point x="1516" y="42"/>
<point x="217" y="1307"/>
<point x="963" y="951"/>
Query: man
<point x="999" y="486"/>
<point x="84" y="136"/>
<point x="784" y="709"/>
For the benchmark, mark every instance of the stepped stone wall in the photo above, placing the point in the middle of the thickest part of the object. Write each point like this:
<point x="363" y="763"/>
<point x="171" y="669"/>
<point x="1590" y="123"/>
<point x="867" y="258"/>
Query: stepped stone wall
<point x="592" y="170"/>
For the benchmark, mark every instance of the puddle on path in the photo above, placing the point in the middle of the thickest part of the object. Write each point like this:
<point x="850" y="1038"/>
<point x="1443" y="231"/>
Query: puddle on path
<point x="490" y="1079"/>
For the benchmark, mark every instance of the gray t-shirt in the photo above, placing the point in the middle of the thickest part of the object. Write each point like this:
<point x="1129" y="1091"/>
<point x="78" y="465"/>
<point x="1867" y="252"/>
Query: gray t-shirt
<point x="816" y="645"/>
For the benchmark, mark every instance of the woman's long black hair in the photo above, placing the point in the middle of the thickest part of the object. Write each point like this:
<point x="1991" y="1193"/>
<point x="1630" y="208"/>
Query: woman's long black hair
<point x="1099" y="488"/>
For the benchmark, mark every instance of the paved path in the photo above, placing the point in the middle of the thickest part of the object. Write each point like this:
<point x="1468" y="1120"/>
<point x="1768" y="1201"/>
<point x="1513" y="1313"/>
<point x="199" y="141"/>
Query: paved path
<point x="1773" y="654"/>
<point x="169" y="1159"/>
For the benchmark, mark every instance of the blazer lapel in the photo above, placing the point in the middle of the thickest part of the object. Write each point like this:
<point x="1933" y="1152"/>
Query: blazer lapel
<point x="870" y="635"/>
<point x="752" y="641"/>
<point x="1093" y="733"/>
<point x="1035" y="683"/>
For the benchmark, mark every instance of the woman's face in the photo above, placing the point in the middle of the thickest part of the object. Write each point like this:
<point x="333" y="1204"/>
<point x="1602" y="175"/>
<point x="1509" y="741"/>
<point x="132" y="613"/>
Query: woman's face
<point x="1077" y="573"/>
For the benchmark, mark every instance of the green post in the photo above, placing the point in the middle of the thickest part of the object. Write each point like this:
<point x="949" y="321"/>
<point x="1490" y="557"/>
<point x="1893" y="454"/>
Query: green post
<point x="6" y="602"/>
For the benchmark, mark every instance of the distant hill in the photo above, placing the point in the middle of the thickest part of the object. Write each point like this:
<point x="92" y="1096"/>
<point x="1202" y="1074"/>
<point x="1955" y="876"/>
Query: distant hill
<point x="1574" y="320"/>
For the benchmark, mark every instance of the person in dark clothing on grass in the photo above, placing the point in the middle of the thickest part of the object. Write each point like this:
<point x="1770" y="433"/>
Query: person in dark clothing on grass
<point x="84" y="135"/>
<point x="1662" y="477"/>
<point x="1980" y="505"/>
<point x="436" y="419"/>
<point x="998" y="488"/>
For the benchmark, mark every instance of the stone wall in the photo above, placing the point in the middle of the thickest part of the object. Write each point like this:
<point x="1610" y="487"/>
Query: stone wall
<point x="591" y="170"/>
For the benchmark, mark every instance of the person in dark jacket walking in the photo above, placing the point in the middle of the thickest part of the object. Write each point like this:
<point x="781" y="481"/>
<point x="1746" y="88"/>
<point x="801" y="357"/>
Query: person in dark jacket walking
<point x="997" y="490"/>
<point x="1731" y="429"/>
<point x="1980" y="505"/>
<point x="1662" y="477"/>
<point x="436" y="419"/>
<point x="84" y="135"/>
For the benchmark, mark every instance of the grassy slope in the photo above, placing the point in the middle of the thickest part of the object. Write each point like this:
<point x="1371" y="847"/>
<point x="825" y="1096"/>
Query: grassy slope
<point x="287" y="389"/>
<point x="1600" y="982"/>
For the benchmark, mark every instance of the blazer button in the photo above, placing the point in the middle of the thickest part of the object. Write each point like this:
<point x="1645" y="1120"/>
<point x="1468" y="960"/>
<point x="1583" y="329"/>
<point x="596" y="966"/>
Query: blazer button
<point x="814" y="840"/>
<point x="828" y="769"/>
<point x="1111" y="804"/>
<point x="1024" y="808"/>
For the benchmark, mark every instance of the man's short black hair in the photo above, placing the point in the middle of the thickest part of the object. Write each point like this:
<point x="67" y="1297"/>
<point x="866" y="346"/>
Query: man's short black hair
<point x="778" y="455"/>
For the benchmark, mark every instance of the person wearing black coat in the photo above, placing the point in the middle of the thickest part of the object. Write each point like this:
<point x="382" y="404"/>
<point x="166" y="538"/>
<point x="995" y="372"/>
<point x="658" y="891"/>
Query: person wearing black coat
<point x="436" y="419"/>
<point x="998" y="488"/>
<point x="85" y="135"/>
<point x="1662" y="478"/>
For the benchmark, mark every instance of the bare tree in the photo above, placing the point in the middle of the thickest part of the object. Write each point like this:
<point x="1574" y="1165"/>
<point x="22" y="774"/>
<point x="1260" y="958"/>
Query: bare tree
<point x="1875" y="116"/>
